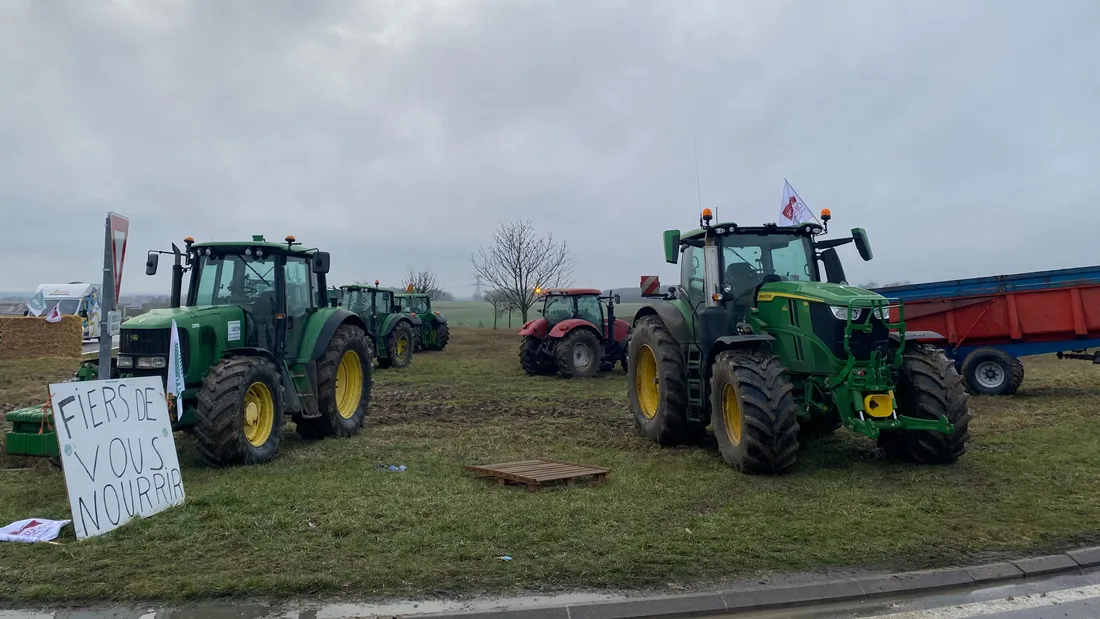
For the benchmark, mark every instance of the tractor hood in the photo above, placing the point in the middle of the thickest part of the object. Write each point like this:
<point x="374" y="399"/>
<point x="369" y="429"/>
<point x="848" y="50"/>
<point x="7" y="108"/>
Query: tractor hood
<point x="185" y="317"/>
<point x="831" y="294"/>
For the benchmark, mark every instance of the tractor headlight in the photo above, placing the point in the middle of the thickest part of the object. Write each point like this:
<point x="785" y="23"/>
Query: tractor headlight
<point x="882" y="313"/>
<point x="155" y="363"/>
<point x="842" y="313"/>
<point x="125" y="361"/>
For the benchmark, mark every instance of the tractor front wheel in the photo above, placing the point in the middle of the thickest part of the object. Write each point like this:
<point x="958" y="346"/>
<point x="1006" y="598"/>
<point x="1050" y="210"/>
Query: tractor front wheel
<point x="991" y="371"/>
<point x="399" y="347"/>
<point x="753" y="412"/>
<point x="344" y="379"/>
<point x="657" y="385"/>
<point x="928" y="387"/>
<point x="578" y="354"/>
<point x="240" y="412"/>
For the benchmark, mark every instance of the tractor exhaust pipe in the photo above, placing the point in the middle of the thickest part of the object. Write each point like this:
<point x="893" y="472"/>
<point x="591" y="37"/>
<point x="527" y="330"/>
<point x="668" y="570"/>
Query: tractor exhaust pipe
<point x="177" y="277"/>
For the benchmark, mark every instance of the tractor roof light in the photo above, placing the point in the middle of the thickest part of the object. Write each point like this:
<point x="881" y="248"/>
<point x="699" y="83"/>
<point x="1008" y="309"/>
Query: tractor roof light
<point x="704" y="221"/>
<point x="826" y="215"/>
<point x="376" y="282"/>
<point x="538" y="290"/>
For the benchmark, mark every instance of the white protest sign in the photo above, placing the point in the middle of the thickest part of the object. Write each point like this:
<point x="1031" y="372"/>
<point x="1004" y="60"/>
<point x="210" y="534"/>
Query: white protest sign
<point x="114" y="322"/>
<point x="117" y="450"/>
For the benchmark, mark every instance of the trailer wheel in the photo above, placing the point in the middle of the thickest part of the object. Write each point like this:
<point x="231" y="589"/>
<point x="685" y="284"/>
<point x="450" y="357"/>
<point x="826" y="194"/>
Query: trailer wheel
<point x="991" y="371"/>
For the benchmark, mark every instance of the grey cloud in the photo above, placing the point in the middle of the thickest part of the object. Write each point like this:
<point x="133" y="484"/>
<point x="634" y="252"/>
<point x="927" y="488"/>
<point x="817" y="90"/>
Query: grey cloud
<point x="400" y="133"/>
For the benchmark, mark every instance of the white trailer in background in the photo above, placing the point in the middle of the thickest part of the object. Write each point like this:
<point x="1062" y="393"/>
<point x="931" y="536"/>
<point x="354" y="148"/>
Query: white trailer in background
<point x="76" y="299"/>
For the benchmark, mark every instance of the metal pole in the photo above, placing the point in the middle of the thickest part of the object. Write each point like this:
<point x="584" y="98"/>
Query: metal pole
<point x="108" y="304"/>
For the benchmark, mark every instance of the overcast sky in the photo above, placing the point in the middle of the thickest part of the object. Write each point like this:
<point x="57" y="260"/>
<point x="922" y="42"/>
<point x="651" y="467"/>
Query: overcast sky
<point x="964" y="136"/>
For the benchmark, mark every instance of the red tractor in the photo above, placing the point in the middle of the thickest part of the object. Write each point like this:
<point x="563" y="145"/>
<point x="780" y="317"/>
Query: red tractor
<point x="575" y="335"/>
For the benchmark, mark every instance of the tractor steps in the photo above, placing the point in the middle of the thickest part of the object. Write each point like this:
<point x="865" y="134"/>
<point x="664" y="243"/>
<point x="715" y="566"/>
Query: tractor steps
<point x="535" y="474"/>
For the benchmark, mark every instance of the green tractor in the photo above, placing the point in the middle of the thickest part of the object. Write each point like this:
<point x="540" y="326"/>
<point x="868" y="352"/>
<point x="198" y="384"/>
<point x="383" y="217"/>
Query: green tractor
<point x="259" y="342"/>
<point x="759" y="343"/>
<point x="393" y="332"/>
<point x="434" y="332"/>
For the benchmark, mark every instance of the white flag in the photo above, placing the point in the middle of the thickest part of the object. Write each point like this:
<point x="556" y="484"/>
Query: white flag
<point x="55" y="314"/>
<point x="175" y="370"/>
<point x="37" y="304"/>
<point x="32" y="530"/>
<point x="794" y="210"/>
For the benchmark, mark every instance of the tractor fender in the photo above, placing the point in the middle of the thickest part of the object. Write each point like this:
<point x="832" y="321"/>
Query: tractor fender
<point x="672" y="318"/>
<point x="415" y="320"/>
<point x="535" y="328"/>
<point x="440" y="318"/>
<point x="292" y="403"/>
<point x="750" y="341"/>
<point x="924" y="336"/>
<point x="400" y="319"/>
<point x="621" y="330"/>
<point x="564" y="327"/>
<point x="338" y="317"/>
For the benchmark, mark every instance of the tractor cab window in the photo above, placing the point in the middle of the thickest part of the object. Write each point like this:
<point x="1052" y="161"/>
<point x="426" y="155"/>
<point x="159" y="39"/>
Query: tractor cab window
<point x="234" y="279"/>
<point x="418" y="305"/>
<point x="383" y="300"/>
<point x="691" y="274"/>
<point x="298" y="297"/>
<point x="589" y="308"/>
<point x="748" y="260"/>
<point x="557" y="309"/>
<point x="356" y="301"/>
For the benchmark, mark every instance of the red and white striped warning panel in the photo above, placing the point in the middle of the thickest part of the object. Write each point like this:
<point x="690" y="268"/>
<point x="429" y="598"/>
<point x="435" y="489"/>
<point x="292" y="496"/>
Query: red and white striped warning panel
<point x="651" y="285"/>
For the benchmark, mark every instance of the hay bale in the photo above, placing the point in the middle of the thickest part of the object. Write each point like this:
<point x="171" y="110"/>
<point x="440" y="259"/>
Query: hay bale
<point x="28" y="337"/>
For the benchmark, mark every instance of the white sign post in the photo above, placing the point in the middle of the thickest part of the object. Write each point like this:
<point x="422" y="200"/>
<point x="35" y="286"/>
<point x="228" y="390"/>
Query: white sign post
<point x="117" y="451"/>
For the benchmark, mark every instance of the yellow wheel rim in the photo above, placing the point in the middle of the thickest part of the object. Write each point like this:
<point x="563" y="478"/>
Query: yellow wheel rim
<point x="731" y="414"/>
<point x="646" y="382"/>
<point x="402" y="345"/>
<point x="258" y="414"/>
<point x="349" y="384"/>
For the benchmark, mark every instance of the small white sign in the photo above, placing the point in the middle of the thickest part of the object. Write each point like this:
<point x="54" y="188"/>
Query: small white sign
<point x="117" y="451"/>
<point x="114" y="322"/>
<point x="234" y="330"/>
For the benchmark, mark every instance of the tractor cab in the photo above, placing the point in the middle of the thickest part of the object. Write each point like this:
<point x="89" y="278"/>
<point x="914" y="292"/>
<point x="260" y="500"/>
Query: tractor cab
<point x="434" y="332"/>
<point x="563" y="304"/>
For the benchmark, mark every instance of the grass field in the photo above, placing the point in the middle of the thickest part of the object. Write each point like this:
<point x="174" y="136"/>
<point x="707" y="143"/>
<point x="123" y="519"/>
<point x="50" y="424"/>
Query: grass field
<point x="479" y="314"/>
<point x="322" y="519"/>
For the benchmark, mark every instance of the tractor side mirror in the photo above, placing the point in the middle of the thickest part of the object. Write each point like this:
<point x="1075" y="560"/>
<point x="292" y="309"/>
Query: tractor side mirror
<point x="321" y="262"/>
<point x="834" y="270"/>
<point x="672" y="246"/>
<point x="151" y="263"/>
<point x="863" y="244"/>
<point x="618" y="299"/>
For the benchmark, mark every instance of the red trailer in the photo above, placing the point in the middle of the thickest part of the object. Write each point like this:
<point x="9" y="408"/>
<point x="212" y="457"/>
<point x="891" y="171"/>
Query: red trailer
<point x="988" y="323"/>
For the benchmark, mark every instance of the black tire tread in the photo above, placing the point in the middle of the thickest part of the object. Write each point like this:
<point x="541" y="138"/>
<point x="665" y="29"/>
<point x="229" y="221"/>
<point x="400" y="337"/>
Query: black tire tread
<point x="221" y="441"/>
<point x="330" y="423"/>
<point x="563" y="353"/>
<point x="929" y="386"/>
<point x="769" y="435"/>
<point x="670" y="425"/>
<point x="529" y="358"/>
<point x="442" y="336"/>
<point x="1014" y="370"/>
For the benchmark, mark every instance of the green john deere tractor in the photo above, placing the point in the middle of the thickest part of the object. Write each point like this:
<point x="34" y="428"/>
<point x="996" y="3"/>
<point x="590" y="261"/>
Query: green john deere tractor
<point x="764" y="340"/>
<point x="434" y="332"/>
<point x="259" y="342"/>
<point x="393" y="332"/>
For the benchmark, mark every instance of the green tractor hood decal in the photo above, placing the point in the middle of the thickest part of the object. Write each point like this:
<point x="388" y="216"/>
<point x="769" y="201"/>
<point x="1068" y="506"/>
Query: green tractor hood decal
<point x="831" y="294"/>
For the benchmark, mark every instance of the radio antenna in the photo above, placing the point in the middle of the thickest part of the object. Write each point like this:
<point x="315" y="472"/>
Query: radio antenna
<point x="698" y="184"/>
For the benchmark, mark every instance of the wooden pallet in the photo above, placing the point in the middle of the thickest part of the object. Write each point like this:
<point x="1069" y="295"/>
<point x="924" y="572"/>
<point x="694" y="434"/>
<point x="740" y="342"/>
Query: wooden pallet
<point x="538" y="473"/>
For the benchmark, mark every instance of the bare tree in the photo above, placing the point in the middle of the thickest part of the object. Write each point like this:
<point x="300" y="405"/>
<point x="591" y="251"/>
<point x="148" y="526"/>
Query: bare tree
<point x="519" y="260"/>
<point x="501" y="304"/>
<point x="423" y="282"/>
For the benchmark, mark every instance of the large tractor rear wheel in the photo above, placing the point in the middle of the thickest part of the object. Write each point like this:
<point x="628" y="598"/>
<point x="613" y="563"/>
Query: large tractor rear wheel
<point x="657" y="385"/>
<point x="399" y="347"/>
<point x="992" y="371"/>
<point x="442" y="336"/>
<point x="240" y="412"/>
<point x="928" y="386"/>
<point x="578" y="354"/>
<point x="753" y="412"/>
<point x="344" y="379"/>
<point x="531" y="360"/>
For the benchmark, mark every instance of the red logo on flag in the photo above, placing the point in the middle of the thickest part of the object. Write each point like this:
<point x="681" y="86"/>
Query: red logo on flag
<point x="30" y="525"/>
<point x="788" y="211"/>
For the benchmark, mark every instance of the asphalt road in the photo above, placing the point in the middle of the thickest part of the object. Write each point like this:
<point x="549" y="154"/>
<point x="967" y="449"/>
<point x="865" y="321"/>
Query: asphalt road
<point x="1071" y="596"/>
<point x="93" y="347"/>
